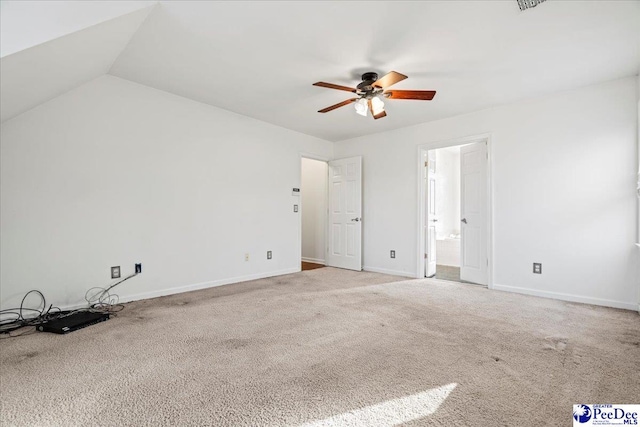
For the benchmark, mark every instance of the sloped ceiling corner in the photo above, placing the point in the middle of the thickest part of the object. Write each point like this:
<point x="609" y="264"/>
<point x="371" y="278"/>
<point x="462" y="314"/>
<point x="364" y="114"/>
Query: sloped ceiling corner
<point x="35" y="75"/>
<point x="24" y="24"/>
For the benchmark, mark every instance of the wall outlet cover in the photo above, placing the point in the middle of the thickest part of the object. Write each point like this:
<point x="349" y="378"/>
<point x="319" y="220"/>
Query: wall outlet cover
<point x="393" y="254"/>
<point x="537" y="268"/>
<point x="269" y="255"/>
<point x="115" y="272"/>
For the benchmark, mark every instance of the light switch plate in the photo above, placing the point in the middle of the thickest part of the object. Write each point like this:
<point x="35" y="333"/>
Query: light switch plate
<point x="295" y="208"/>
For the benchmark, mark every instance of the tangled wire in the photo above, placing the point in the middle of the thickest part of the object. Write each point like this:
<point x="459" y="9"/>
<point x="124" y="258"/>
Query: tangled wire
<point x="99" y="300"/>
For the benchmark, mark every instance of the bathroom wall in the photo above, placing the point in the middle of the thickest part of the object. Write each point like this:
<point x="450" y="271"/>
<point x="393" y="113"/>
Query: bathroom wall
<point x="448" y="191"/>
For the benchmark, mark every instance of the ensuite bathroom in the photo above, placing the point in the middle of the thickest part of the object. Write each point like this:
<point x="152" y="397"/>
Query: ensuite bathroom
<point x="447" y="207"/>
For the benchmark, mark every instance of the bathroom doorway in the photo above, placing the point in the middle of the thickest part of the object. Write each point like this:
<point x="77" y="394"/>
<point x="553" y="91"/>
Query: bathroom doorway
<point x="456" y="214"/>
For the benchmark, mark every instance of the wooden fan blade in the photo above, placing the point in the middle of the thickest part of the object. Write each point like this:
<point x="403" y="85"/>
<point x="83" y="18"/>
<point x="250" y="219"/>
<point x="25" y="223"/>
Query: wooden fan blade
<point x="380" y="115"/>
<point x="376" y="116"/>
<point x="423" y="95"/>
<point x="389" y="79"/>
<point x="341" y="104"/>
<point x="332" y="86"/>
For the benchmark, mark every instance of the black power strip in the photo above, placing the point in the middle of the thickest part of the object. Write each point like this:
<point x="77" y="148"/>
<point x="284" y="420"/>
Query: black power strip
<point x="73" y="322"/>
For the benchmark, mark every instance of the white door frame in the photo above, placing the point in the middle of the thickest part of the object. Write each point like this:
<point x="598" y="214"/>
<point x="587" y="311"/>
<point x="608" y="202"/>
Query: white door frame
<point x="430" y="222"/>
<point x="311" y="156"/>
<point x="420" y="267"/>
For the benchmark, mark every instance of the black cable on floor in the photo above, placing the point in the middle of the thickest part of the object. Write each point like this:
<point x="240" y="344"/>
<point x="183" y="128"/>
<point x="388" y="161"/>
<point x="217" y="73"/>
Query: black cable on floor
<point x="100" y="300"/>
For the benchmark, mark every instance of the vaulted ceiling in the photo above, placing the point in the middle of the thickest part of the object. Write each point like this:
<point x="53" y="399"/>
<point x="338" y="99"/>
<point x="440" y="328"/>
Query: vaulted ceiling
<point x="39" y="73"/>
<point x="260" y="58"/>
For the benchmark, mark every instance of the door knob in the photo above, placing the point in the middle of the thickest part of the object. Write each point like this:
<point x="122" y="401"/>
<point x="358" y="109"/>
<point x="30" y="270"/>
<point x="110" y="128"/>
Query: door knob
<point x="355" y="219"/>
<point x="464" y="220"/>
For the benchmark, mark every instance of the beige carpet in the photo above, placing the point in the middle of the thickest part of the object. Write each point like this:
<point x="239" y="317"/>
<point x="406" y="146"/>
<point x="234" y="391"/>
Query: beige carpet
<point x="327" y="347"/>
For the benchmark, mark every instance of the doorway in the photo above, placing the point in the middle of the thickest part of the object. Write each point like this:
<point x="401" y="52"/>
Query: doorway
<point x="313" y="206"/>
<point x="455" y="214"/>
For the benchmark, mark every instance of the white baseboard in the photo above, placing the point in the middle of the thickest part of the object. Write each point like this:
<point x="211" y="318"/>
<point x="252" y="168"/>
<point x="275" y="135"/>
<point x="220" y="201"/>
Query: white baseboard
<point x="313" y="260"/>
<point x="385" y="271"/>
<point x="192" y="287"/>
<point x="568" y="297"/>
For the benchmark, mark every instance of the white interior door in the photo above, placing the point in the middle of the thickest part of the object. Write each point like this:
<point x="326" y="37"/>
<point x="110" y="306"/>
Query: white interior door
<point x="473" y="206"/>
<point x="431" y="219"/>
<point x="344" y="249"/>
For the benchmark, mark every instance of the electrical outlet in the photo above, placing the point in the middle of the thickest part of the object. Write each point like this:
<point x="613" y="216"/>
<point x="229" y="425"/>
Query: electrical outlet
<point x="246" y="257"/>
<point x="115" y="272"/>
<point x="393" y="254"/>
<point x="295" y="208"/>
<point x="537" y="268"/>
<point x="269" y="255"/>
<point x="138" y="268"/>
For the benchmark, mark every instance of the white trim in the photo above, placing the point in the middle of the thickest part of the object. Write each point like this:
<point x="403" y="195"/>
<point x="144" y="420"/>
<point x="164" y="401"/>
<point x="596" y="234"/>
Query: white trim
<point x="210" y="284"/>
<point x="385" y="271"/>
<point x="312" y="156"/>
<point x="567" y="297"/>
<point x="193" y="287"/>
<point x="421" y="202"/>
<point x="313" y="260"/>
<point x="73" y="307"/>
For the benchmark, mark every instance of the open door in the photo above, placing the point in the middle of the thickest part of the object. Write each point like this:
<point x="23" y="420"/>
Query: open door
<point x="344" y="249"/>
<point x="431" y="219"/>
<point x="473" y="206"/>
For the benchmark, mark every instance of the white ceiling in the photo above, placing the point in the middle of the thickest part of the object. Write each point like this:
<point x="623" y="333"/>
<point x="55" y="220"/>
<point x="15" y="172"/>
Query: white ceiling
<point x="260" y="58"/>
<point x="24" y="24"/>
<point x="35" y="75"/>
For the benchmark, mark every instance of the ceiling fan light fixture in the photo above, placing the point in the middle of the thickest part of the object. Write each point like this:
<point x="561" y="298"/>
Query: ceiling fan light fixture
<point x="361" y="107"/>
<point x="377" y="106"/>
<point x="373" y="91"/>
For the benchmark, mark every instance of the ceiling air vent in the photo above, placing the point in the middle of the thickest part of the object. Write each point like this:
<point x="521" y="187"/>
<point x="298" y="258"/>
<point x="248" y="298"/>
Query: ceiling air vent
<point x="526" y="4"/>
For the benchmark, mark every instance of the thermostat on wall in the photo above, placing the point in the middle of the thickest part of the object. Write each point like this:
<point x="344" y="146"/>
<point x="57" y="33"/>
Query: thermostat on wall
<point x="295" y="192"/>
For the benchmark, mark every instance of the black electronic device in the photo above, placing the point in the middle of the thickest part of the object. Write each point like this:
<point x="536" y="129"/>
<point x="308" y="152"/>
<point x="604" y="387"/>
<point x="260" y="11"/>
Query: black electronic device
<point x="73" y="322"/>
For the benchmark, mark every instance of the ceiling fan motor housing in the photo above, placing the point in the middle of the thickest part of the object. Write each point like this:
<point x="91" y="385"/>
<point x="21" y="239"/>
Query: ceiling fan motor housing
<point x="366" y="88"/>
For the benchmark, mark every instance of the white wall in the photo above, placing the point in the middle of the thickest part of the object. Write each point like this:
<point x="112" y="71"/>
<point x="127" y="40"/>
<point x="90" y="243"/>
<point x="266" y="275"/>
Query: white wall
<point x="115" y="173"/>
<point x="314" y="209"/>
<point x="564" y="171"/>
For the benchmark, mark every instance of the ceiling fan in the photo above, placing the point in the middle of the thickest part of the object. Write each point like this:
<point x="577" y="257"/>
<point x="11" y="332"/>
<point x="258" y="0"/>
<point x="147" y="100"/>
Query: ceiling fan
<point x="371" y="92"/>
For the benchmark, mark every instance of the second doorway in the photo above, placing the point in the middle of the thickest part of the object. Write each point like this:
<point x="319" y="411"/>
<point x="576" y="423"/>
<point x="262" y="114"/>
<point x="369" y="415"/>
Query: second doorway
<point x="314" y="183"/>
